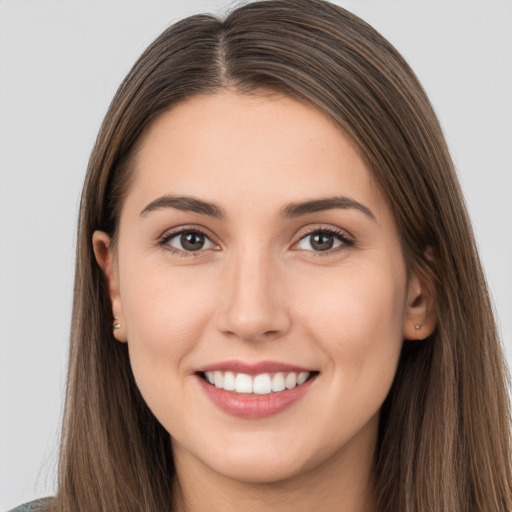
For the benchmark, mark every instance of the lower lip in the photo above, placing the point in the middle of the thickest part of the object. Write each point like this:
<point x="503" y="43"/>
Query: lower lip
<point x="253" y="405"/>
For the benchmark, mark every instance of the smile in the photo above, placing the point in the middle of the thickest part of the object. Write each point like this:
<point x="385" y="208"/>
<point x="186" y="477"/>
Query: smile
<point x="262" y="384"/>
<point x="255" y="391"/>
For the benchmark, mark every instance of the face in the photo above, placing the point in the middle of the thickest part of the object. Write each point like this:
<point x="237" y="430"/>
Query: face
<point x="260" y="285"/>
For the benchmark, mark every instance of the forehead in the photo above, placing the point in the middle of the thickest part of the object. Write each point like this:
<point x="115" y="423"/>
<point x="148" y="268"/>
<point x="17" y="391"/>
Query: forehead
<point x="261" y="148"/>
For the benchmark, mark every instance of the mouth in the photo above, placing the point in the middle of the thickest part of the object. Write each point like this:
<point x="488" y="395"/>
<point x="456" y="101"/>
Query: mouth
<point x="259" y="384"/>
<point x="255" y="391"/>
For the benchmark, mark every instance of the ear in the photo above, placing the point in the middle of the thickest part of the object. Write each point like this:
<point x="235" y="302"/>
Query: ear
<point x="420" y="316"/>
<point x="105" y="258"/>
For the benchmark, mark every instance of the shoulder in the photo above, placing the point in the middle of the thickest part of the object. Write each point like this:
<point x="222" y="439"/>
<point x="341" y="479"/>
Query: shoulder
<point x="33" y="506"/>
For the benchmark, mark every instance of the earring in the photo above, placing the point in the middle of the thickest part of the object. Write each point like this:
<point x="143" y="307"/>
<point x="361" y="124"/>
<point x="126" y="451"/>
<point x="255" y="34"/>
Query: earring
<point x="116" y="325"/>
<point x="417" y="326"/>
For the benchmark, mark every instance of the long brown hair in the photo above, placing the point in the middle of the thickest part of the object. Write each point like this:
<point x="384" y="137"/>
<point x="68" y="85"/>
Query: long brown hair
<point x="444" y="437"/>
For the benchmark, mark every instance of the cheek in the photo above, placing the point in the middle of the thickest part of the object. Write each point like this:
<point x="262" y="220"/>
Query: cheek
<point x="165" y="312"/>
<point x="357" y="319"/>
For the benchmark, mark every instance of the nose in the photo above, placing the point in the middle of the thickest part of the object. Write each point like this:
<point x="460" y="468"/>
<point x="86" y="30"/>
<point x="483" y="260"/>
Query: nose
<point x="252" y="304"/>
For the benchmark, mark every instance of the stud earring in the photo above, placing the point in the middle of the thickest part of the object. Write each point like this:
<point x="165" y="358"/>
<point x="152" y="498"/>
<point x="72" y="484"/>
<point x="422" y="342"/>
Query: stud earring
<point x="417" y="327"/>
<point x="116" y="325"/>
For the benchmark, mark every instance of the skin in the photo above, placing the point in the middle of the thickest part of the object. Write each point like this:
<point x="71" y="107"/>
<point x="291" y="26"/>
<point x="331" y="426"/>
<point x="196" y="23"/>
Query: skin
<point x="258" y="290"/>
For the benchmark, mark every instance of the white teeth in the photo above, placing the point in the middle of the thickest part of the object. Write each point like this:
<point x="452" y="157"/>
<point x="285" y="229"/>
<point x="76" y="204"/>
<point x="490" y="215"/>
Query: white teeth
<point x="278" y="382"/>
<point x="291" y="380"/>
<point x="229" y="381"/>
<point x="243" y="383"/>
<point x="262" y="384"/>
<point x="218" y="379"/>
<point x="302" y="377"/>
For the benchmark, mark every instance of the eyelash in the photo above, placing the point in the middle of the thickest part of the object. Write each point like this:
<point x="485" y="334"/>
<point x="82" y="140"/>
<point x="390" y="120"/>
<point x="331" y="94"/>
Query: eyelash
<point x="164" y="241"/>
<point x="342" y="236"/>
<point x="346" y="240"/>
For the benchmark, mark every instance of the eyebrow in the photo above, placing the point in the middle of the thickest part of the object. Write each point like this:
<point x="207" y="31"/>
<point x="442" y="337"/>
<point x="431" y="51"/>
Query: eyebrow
<point x="293" y="210"/>
<point x="329" y="203"/>
<point x="186" y="204"/>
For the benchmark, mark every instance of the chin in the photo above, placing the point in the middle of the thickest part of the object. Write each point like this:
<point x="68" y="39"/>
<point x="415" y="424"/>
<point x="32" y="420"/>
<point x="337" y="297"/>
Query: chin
<point x="262" y="471"/>
<point x="275" y="459"/>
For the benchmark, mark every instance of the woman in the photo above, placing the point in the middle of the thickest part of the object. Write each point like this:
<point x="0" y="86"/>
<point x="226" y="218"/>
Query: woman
<point x="278" y="300"/>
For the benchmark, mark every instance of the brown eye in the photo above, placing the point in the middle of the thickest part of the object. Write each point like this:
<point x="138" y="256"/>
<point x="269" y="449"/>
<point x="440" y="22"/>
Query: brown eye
<point x="323" y="240"/>
<point x="192" y="241"/>
<point x="189" y="241"/>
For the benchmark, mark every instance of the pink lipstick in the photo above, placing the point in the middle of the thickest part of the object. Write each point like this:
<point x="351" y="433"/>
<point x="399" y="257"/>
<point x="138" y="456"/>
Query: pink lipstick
<point x="255" y="390"/>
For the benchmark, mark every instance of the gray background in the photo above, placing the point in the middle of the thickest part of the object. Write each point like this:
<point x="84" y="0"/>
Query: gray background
<point x="60" y="64"/>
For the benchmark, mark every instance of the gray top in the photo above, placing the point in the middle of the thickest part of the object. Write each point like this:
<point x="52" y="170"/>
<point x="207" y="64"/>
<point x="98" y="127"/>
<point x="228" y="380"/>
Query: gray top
<point x="33" y="506"/>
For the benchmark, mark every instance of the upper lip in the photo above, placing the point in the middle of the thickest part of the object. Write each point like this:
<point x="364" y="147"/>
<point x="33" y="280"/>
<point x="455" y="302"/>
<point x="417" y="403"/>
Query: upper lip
<point x="252" y="368"/>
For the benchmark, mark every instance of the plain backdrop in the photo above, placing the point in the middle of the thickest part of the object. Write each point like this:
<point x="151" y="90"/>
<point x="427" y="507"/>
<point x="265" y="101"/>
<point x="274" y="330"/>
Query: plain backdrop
<point x="60" y="64"/>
